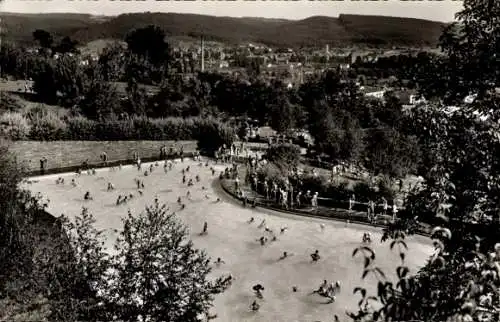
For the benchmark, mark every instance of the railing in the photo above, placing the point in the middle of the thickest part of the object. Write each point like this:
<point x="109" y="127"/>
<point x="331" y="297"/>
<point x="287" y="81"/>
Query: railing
<point x="343" y="214"/>
<point x="98" y="165"/>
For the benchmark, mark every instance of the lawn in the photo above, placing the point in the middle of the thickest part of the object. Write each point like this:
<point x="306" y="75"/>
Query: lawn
<point x="232" y="238"/>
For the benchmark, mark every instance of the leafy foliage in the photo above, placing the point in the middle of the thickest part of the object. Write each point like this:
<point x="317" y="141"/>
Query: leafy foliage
<point x="60" y="82"/>
<point x="62" y="267"/>
<point x="158" y="274"/>
<point x="101" y="100"/>
<point x="148" y="42"/>
<point x="27" y="244"/>
<point x="460" y="195"/>
<point x="67" y="45"/>
<point x="391" y="153"/>
<point x="43" y="37"/>
<point x="212" y="135"/>
<point x="286" y="156"/>
<point x="40" y="126"/>
<point x="112" y="61"/>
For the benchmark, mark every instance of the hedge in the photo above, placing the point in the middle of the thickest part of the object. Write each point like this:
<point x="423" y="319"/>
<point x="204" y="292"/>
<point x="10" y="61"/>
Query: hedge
<point x="209" y="132"/>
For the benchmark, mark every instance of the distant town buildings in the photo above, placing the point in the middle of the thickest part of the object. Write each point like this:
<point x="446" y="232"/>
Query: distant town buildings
<point x="293" y="67"/>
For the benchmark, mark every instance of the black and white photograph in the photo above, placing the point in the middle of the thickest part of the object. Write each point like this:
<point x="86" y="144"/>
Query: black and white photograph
<point x="253" y="161"/>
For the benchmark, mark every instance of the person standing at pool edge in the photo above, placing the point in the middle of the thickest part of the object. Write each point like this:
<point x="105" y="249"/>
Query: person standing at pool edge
<point x="43" y="164"/>
<point x="104" y="157"/>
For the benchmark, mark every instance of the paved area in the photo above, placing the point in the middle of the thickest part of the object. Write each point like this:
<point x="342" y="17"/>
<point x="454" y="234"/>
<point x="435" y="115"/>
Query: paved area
<point x="232" y="238"/>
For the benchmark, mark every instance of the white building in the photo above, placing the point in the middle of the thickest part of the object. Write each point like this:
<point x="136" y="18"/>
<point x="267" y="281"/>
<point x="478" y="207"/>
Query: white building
<point x="416" y="99"/>
<point x="376" y="94"/>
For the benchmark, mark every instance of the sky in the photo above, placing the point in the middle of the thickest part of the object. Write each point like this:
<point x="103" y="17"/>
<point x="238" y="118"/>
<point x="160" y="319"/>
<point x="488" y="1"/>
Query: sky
<point x="439" y="10"/>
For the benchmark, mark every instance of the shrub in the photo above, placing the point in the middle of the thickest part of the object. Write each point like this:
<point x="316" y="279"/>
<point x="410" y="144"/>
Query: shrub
<point x="285" y="156"/>
<point x="271" y="172"/>
<point x="315" y="184"/>
<point x="81" y="128"/>
<point x="339" y="192"/>
<point x="14" y="126"/>
<point x="385" y="189"/>
<point x="364" y="192"/>
<point x="9" y="103"/>
<point x="212" y="134"/>
<point x="47" y="127"/>
<point x="188" y="127"/>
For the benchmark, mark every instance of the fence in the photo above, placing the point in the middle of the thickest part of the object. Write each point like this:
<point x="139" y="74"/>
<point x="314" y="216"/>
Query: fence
<point x="63" y="155"/>
<point x="353" y="215"/>
<point x="97" y="165"/>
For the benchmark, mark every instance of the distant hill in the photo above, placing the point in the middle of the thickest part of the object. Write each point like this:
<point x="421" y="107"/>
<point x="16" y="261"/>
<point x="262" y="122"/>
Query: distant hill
<point x="386" y="30"/>
<point x="345" y="30"/>
<point x="19" y="27"/>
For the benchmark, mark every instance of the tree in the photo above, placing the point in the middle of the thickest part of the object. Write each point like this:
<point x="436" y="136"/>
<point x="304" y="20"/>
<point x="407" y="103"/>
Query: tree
<point x="171" y="100"/>
<point x="391" y="153"/>
<point x="30" y="247"/>
<point x="159" y="275"/>
<point x="283" y="113"/>
<point x="67" y="45"/>
<point x="12" y="219"/>
<point x="213" y="134"/>
<point x="352" y="141"/>
<point x="101" y="100"/>
<point x="149" y="42"/>
<point x="285" y="156"/>
<point x="461" y="190"/>
<point x="78" y="272"/>
<point x="470" y="64"/>
<point x="44" y="38"/>
<point x="60" y="82"/>
<point x="200" y="89"/>
<point x="337" y="133"/>
<point x="137" y="99"/>
<point x="112" y="62"/>
<point x="390" y="113"/>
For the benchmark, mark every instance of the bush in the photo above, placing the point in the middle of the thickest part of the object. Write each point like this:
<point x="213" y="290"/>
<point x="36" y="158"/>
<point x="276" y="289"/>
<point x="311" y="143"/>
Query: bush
<point x="80" y="128"/>
<point x="364" y="192"/>
<point x="271" y="172"/>
<point x="315" y="184"/>
<point x="9" y="103"/>
<point x="339" y="192"/>
<point x="212" y="134"/>
<point x="14" y="126"/>
<point x="285" y="156"/>
<point x="47" y="127"/>
<point x="385" y="189"/>
<point x="146" y="129"/>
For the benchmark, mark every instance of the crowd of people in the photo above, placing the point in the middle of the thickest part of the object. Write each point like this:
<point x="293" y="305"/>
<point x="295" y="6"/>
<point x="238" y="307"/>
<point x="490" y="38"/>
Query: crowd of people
<point x="271" y="190"/>
<point x="290" y="196"/>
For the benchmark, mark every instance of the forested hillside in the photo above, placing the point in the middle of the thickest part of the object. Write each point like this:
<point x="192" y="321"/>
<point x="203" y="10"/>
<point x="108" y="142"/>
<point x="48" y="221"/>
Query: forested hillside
<point x="345" y="30"/>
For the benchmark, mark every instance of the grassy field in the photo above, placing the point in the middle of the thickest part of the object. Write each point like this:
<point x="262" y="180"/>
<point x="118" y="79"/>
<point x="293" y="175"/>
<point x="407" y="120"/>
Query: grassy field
<point x="232" y="238"/>
<point x="17" y="86"/>
<point x="14" y="86"/>
<point x="72" y="153"/>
